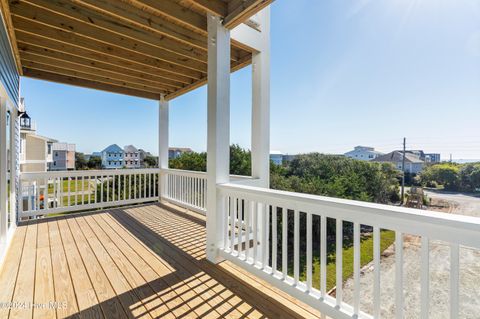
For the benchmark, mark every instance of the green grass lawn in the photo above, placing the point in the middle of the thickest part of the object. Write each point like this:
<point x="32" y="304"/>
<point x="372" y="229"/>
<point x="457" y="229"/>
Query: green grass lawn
<point x="74" y="186"/>
<point x="387" y="238"/>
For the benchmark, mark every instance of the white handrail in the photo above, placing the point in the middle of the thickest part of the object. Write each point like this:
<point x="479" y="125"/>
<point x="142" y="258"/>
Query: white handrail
<point x="44" y="193"/>
<point x="252" y="240"/>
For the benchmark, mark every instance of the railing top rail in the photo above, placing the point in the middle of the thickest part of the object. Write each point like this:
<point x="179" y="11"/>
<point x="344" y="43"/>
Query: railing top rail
<point x="453" y="228"/>
<point x="35" y="175"/>
<point x="183" y="172"/>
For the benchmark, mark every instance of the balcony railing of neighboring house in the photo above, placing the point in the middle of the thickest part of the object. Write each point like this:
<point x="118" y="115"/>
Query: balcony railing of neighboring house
<point x="30" y="125"/>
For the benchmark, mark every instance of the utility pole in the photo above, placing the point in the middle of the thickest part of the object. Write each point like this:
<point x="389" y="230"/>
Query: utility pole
<point x="403" y="171"/>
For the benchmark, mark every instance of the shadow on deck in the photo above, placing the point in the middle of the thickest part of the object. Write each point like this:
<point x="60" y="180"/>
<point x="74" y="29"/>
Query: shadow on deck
<point x="139" y="262"/>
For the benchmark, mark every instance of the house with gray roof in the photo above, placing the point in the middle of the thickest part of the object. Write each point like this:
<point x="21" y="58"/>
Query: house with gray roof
<point x="113" y="157"/>
<point x="413" y="163"/>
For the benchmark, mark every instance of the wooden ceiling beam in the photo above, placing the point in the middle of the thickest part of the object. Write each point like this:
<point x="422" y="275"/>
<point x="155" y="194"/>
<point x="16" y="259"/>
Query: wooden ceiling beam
<point x="216" y="7"/>
<point x="30" y="40"/>
<point x="158" y="26"/>
<point x="63" y="79"/>
<point x="94" y="32"/>
<point x="67" y="64"/>
<point x="86" y="76"/>
<point x="169" y="70"/>
<point x="6" y="16"/>
<point x="240" y="11"/>
<point x="174" y="11"/>
<point x="244" y="61"/>
<point x="133" y="75"/>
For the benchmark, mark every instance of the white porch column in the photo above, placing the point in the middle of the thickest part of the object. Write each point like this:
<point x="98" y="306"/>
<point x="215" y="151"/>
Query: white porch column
<point x="218" y="143"/>
<point x="261" y="104"/>
<point x="162" y="143"/>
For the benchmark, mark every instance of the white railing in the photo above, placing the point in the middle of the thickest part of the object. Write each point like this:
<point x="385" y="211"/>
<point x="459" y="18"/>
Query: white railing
<point x="44" y="193"/>
<point x="273" y="234"/>
<point x="185" y="188"/>
<point x="188" y="189"/>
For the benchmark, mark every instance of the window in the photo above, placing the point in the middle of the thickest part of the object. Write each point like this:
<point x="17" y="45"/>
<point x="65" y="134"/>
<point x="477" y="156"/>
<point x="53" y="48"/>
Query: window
<point x="56" y="153"/>
<point x="49" y="149"/>
<point x="54" y="163"/>
<point x="109" y="163"/>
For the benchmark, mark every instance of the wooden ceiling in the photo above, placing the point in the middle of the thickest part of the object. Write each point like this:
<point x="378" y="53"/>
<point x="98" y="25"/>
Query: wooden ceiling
<point x="142" y="48"/>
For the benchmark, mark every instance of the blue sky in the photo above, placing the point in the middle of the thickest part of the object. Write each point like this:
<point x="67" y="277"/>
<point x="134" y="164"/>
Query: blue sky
<point x="344" y="73"/>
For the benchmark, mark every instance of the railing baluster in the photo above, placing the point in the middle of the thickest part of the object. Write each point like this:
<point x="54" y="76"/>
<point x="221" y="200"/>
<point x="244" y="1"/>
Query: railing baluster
<point x="339" y="262"/>
<point x="255" y="232"/>
<point x="266" y="230"/>
<point x="239" y="204"/>
<point x="55" y="199"/>
<point x="83" y="190"/>
<point x="46" y="196"/>
<point x="356" y="268"/>
<point x="248" y="211"/>
<point x="323" y="255"/>
<point x="88" y="190"/>
<point x="113" y="187"/>
<point x="134" y="186"/>
<point x="296" y="246"/>
<point x="376" y="270"/>
<point x="309" y="251"/>
<point x="145" y="185"/>
<point x="425" y="278"/>
<point x="399" y="275"/>
<point x="454" y="279"/>
<point x="232" y="223"/>
<point x="285" y="242"/>
<point x="68" y="190"/>
<point x="124" y="186"/>
<point x="102" y="183"/>
<point x="274" y="239"/>
<point x="226" y="209"/>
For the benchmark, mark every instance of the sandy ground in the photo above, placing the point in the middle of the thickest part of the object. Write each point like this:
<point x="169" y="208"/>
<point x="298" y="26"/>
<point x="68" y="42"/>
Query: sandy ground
<point x="439" y="273"/>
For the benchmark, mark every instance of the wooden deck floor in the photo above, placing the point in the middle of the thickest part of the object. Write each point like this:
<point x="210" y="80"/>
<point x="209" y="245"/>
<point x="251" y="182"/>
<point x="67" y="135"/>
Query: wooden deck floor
<point x="141" y="262"/>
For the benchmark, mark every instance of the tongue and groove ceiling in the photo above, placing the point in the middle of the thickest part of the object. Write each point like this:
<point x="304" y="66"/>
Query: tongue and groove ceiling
<point x="142" y="48"/>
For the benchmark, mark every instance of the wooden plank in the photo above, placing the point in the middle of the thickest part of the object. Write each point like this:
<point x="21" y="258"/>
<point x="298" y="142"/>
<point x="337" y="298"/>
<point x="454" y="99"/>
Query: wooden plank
<point x="129" y="39"/>
<point x="47" y="56"/>
<point x="9" y="269"/>
<point x="124" y="291"/>
<point x="159" y="277"/>
<point x="202" y="287"/>
<point x="48" y="76"/>
<point x="70" y="70"/>
<point x="174" y="11"/>
<point x="154" y="303"/>
<point x="246" y="60"/>
<point x="241" y="11"/>
<point x="109" y="302"/>
<point x="63" y="286"/>
<point x="86" y="297"/>
<point x="44" y="290"/>
<point x="5" y="11"/>
<point x="143" y="19"/>
<point x="29" y="40"/>
<point x="216" y="7"/>
<point x="75" y="39"/>
<point x="79" y="11"/>
<point x="187" y="234"/>
<point x="26" y="276"/>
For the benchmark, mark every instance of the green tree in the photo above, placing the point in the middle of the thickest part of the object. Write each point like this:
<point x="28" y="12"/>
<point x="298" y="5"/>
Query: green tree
<point x="150" y="161"/>
<point x="446" y="174"/>
<point x="469" y="176"/>
<point x="80" y="161"/>
<point x="94" y="162"/>
<point x="191" y="161"/>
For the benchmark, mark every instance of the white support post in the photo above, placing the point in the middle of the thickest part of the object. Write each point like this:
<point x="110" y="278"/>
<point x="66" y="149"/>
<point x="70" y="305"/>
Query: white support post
<point x="261" y="104"/>
<point x="218" y="143"/>
<point x="162" y="144"/>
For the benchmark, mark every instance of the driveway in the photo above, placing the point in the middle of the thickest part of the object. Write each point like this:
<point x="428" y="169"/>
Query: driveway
<point x="439" y="272"/>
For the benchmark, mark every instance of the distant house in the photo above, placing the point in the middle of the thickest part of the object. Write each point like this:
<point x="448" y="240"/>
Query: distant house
<point x="132" y="157"/>
<point x="174" y="152"/>
<point x="432" y="158"/>
<point x="63" y="157"/>
<point x="413" y="163"/>
<point x="113" y="157"/>
<point x="363" y="153"/>
<point x="276" y="157"/>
